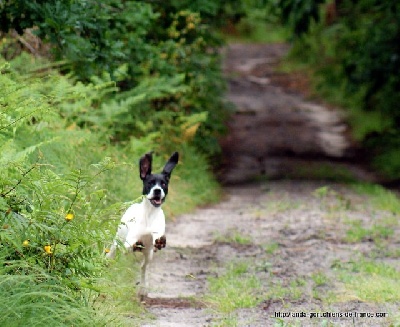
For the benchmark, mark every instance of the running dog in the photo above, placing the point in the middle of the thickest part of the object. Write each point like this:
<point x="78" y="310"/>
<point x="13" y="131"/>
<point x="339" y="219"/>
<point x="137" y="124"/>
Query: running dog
<point x="142" y="227"/>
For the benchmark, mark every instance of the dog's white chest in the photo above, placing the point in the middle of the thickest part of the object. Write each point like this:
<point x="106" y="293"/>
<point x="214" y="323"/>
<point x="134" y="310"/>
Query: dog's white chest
<point x="142" y="222"/>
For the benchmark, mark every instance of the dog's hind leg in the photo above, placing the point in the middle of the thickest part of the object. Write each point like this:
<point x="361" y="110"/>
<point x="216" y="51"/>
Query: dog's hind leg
<point x="144" y="283"/>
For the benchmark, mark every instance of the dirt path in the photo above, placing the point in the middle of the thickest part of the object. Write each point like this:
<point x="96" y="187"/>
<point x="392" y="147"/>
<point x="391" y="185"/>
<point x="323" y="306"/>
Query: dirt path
<point x="275" y="128"/>
<point x="294" y="231"/>
<point x="293" y="236"/>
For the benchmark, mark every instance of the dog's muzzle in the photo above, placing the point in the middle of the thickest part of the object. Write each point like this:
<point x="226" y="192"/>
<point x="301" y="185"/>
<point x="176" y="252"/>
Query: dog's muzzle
<point x="157" y="198"/>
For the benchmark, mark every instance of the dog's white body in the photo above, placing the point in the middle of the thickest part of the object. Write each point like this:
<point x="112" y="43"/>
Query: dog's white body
<point x="144" y="222"/>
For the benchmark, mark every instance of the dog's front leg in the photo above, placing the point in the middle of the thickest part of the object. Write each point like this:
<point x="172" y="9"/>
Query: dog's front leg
<point x="160" y="243"/>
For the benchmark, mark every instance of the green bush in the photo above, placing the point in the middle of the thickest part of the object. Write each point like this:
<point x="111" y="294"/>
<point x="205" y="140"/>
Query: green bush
<point x="161" y="53"/>
<point x="356" y="59"/>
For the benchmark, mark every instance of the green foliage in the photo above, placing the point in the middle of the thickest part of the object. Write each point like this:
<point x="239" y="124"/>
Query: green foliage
<point x="254" y="21"/>
<point x="62" y="184"/>
<point x="380" y="197"/>
<point x="160" y="52"/>
<point x="356" y="59"/>
<point x="50" y="242"/>
<point x="378" y="232"/>
<point x="215" y="13"/>
<point x="137" y="76"/>
<point x="37" y="299"/>
<point x="299" y="14"/>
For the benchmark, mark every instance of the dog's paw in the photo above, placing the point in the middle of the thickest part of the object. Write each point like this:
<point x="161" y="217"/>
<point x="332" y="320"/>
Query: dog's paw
<point x="160" y="243"/>
<point x="138" y="246"/>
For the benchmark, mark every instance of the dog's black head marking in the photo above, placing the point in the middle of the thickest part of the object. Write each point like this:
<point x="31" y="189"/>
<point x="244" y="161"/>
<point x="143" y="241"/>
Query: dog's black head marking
<point x="155" y="186"/>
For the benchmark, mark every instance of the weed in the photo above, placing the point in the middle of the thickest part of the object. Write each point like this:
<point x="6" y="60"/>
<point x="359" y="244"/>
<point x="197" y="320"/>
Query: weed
<point x="281" y="205"/>
<point x="271" y="248"/>
<point x="234" y="237"/>
<point x="291" y="291"/>
<point x="369" y="281"/>
<point x="379" y="197"/>
<point x="62" y="189"/>
<point x="120" y="295"/>
<point x="357" y="233"/>
<point x="234" y="289"/>
<point x="256" y="26"/>
<point x="331" y="200"/>
<point x="319" y="278"/>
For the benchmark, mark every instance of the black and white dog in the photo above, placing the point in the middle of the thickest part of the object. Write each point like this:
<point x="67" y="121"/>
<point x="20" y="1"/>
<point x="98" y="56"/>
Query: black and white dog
<point x="142" y="227"/>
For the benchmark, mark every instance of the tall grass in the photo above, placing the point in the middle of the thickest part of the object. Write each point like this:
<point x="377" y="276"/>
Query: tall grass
<point x="38" y="299"/>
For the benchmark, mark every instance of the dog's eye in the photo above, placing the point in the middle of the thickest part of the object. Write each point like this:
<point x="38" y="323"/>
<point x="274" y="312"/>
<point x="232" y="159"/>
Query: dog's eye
<point x="163" y="184"/>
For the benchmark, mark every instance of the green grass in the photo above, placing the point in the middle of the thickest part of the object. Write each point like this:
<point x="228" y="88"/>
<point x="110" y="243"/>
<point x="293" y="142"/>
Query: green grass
<point x="192" y="184"/>
<point x="357" y="233"/>
<point x="380" y="197"/>
<point x="325" y="171"/>
<point x="226" y="321"/>
<point x="233" y="237"/>
<point x="369" y="281"/>
<point x="119" y="290"/>
<point x="256" y="31"/>
<point x="383" y="226"/>
<point x="271" y="248"/>
<point x="234" y="289"/>
<point x="331" y="200"/>
<point x="292" y="290"/>
<point x="319" y="278"/>
<point x="37" y="299"/>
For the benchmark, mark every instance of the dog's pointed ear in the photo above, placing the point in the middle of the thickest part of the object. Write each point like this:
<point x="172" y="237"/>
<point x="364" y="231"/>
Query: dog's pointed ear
<point x="170" y="165"/>
<point x="145" y="165"/>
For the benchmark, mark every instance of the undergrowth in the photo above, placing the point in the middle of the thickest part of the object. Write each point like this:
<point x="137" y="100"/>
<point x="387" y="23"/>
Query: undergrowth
<point x="63" y="187"/>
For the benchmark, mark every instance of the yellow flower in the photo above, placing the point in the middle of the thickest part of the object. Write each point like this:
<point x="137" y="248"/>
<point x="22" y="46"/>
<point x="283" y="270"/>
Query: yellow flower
<point x="47" y="249"/>
<point x="25" y="243"/>
<point x="107" y="250"/>
<point x="69" y="216"/>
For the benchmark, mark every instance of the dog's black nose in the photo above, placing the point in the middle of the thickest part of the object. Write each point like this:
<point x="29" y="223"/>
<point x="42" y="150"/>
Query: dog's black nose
<point x="157" y="192"/>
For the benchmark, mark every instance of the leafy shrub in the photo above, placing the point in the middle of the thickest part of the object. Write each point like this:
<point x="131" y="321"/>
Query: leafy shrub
<point x="299" y="15"/>
<point x="160" y="52"/>
<point x="356" y="58"/>
<point x="54" y="212"/>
